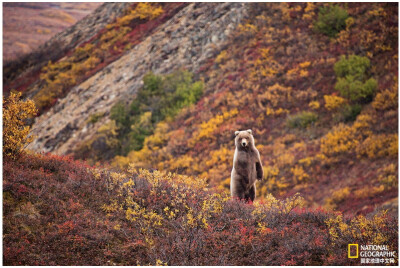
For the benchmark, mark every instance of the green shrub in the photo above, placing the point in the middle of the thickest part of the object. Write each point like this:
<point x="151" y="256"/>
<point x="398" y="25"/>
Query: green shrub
<point x="302" y="119"/>
<point x="352" y="65"/>
<point x="331" y="20"/>
<point x="94" y="118"/>
<point x="353" y="82"/>
<point x="348" y="113"/>
<point x="159" y="98"/>
<point x="119" y="114"/>
<point x="354" y="89"/>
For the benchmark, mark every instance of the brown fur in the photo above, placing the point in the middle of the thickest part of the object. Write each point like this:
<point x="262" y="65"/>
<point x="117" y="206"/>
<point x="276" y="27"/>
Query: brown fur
<point x="247" y="167"/>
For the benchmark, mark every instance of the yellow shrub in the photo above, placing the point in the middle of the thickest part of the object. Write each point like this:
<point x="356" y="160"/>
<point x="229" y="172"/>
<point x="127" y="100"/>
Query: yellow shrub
<point x="334" y="102"/>
<point x="337" y="197"/>
<point x="359" y="229"/>
<point x="272" y="182"/>
<point x="276" y="95"/>
<point x="248" y="29"/>
<point x="270" y="172"/>
<point x="284" y="159"/>
<point x="309" y="11"/>
<point x="300" y="176"/>
<point x="221" y="56"/>
<point x="314" y="105"/>
<point x="388" y="176"/>
<point x="83" y="52"/>
<point x="340" y="140"/>
<point x="265" y="65"/>
<point x="15" y="133"/>
<point x="142" y="11"/>
<point x="299" y="70"/>
<point x="386" y="99"/>
<point x="207" y="128"/>
<point x="380" y="145"/>
<point x="182" y="163"/>
<point x="306" y="161"/>
<point x="368" y="191"/>
<point x="91" y="62"/>
<point x="363" y="124"/>
<point x="223" y="155"/>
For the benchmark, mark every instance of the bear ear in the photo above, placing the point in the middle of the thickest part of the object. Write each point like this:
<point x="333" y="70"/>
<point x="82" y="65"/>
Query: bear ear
<point x="249" y="130"/>
<point x="236" y="133"/>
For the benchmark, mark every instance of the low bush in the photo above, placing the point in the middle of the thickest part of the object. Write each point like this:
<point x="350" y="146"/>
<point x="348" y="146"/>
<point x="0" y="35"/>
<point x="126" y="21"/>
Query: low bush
<point x="61" y="212"/>
<point x="348" y="113"/>
<point x="95" y="117"/>
<point x="15" y="132"/>
<point x="302" y="119"/>
<point x="333" y="102"/>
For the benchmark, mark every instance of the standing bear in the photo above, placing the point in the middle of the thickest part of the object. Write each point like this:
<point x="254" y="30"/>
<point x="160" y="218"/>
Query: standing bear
<point x="247" y="166"/>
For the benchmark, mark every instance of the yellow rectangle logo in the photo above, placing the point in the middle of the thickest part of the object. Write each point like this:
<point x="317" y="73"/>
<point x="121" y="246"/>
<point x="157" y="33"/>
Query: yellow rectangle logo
<point x="349" y="251"/>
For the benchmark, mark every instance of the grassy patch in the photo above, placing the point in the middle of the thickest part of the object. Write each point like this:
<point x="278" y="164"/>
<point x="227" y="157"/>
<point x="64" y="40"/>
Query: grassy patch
<point x="301" y="120"/>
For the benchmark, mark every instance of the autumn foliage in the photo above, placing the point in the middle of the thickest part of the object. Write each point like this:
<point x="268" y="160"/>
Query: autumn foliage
<point x="329" y="114"/>
<point x="316" y="82"/>
<point x="15" y="130"/>
<point x="62" y="212"/>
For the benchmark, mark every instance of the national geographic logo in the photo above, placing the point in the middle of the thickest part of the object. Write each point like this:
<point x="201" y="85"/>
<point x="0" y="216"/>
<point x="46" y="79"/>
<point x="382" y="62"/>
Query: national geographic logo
<point x="351" y="253"/>
<point x="371" y="254"/>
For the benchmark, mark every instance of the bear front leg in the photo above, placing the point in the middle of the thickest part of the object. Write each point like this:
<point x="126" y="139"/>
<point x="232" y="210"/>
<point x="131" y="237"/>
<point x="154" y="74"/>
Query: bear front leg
<point x="260" y="172"/>
<point x="251" y="195"/>
<point x="238" y="190"/>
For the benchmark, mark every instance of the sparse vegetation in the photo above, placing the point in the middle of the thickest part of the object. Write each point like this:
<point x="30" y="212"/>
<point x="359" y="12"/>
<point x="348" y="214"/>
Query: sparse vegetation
<point x="95" y="117"/>
<point x="161" y="97"/>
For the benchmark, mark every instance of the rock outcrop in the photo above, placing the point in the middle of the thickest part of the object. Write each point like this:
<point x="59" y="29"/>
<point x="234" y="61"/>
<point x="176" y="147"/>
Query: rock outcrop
<point x="188" y="40"/>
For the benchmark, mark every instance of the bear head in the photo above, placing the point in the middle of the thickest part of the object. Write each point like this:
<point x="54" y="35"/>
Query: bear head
<point x="244" y="139"/>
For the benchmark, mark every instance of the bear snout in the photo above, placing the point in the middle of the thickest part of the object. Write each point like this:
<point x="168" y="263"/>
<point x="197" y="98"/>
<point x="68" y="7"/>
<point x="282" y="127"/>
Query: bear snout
<point x="244" y="143"/>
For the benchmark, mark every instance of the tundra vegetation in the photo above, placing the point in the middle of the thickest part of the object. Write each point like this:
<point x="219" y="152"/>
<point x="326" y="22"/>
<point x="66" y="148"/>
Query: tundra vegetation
<point x="317" y="83"/>
<point x="319" y="121"/>
<point x="60" y="211"/>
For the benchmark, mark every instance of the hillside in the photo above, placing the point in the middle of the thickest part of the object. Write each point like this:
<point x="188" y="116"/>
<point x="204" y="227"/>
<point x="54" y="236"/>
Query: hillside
<point x="24" y="71"/>
<point x="118" y="147"/>
<point x="276" y="75"/>
<point x="58" y="211"/>
<point x="28" y="25"/>
<point x="321" y="99"/>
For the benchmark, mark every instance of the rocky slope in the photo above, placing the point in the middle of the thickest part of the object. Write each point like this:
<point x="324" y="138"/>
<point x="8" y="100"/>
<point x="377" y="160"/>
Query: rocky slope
<point x="188" y="40"/>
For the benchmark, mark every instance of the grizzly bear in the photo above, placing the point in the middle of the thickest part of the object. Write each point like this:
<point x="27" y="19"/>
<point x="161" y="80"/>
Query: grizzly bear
<point x="247" y="167"/>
